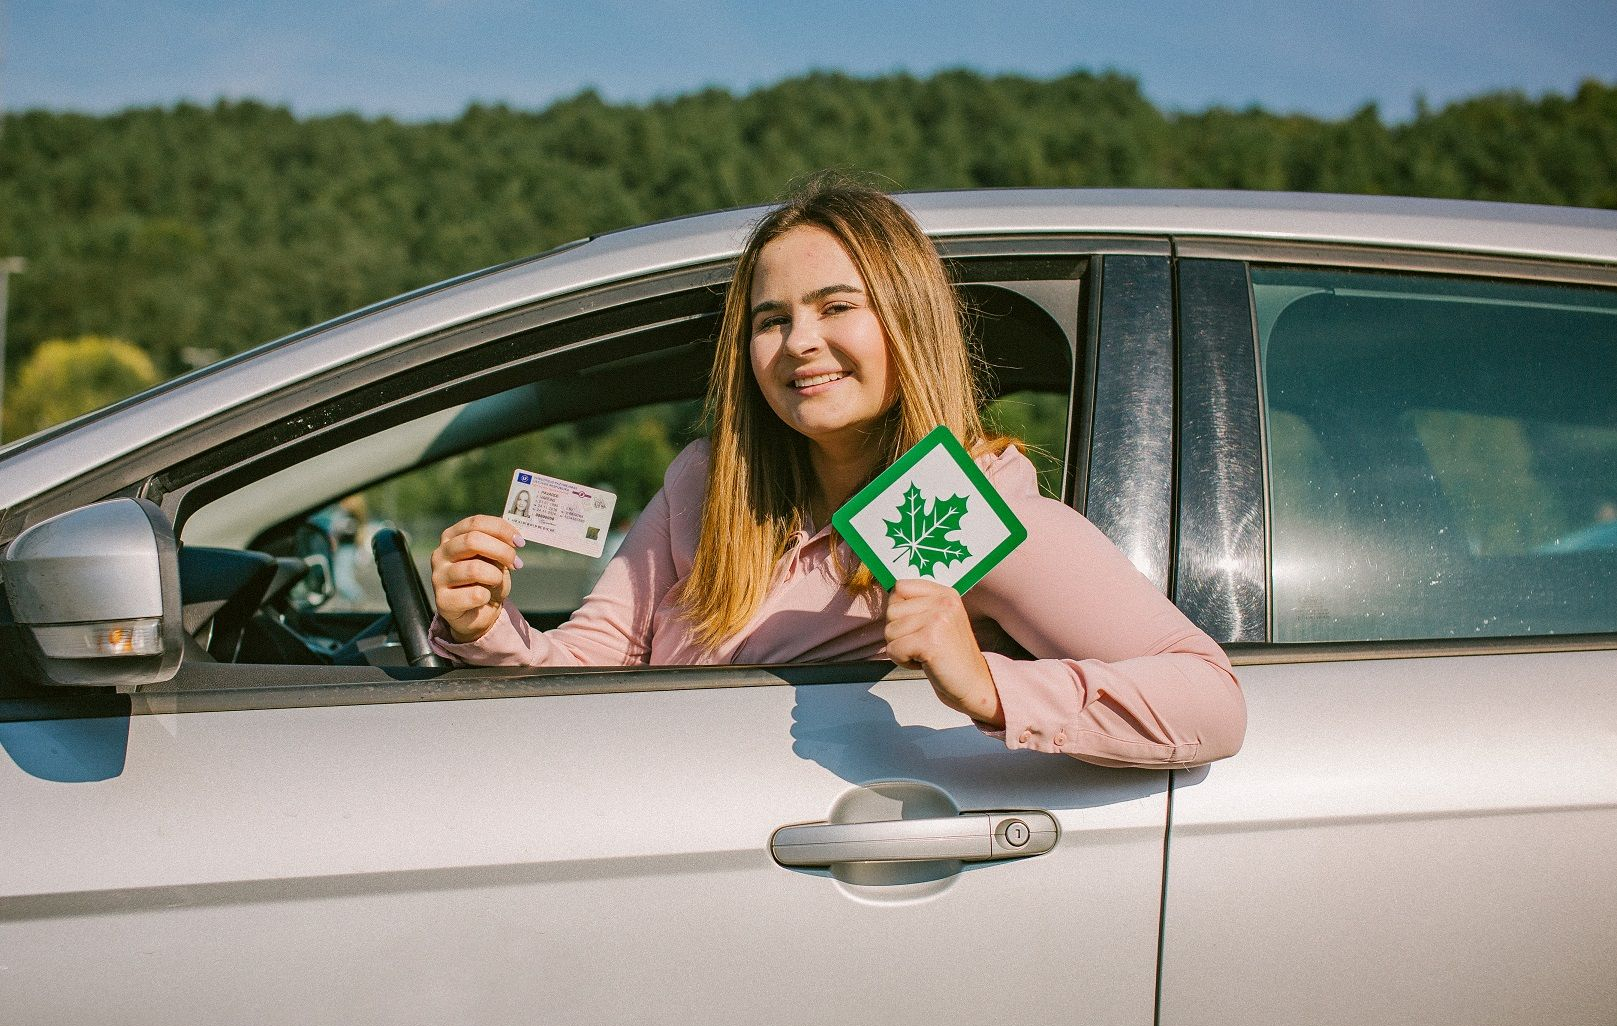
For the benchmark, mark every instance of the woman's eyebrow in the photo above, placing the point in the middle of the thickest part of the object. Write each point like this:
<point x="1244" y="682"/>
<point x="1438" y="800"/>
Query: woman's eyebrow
<point x="830" y="290"/>
<point x="770" y="305"/>
<point x="767" y="306"/>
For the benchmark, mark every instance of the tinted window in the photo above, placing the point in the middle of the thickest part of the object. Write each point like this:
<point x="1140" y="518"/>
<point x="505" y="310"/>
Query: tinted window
<point x="1442" y="455"/>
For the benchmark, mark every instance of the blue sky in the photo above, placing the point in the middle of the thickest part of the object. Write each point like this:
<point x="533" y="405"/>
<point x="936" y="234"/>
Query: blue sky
<point x="419" y="59"/>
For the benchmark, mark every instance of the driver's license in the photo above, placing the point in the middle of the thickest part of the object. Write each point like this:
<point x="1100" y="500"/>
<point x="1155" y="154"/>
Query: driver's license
<point x="551" y="511"/>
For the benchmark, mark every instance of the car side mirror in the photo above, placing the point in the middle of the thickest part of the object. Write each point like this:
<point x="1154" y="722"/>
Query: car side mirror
<point x="97" y="592"/>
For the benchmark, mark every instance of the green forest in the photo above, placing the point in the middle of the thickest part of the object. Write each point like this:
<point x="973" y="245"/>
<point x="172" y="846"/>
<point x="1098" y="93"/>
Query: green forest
<point x="159" y="239"/>
<point x="192" y="232"/>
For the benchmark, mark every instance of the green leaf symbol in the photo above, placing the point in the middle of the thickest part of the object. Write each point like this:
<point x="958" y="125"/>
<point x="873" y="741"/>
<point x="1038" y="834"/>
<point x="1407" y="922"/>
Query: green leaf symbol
<point x="920" y="533"/>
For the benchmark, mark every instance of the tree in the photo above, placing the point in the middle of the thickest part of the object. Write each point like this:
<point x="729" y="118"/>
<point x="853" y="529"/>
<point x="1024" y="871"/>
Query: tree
<point x="66" y="377"/>
<point x="221" y="227"/>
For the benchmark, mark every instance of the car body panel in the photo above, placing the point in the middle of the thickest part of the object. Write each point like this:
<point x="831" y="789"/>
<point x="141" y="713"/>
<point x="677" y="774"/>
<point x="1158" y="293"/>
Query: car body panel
<point x="1412" y="831"/>
<point x="1437" y="847"/>
<point x="560" y="858"/>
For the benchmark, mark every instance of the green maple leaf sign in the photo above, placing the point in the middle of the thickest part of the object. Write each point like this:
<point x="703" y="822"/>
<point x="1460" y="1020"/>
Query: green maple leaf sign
<point x="920" y="533"/>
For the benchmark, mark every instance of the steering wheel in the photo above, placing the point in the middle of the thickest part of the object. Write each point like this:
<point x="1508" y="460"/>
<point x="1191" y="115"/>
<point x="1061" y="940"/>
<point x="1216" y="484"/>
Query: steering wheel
<point x="406" y="595"/>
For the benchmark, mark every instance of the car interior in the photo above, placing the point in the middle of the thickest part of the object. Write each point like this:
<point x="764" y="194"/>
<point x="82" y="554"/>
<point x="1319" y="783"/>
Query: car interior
<point x="273" y="571"/>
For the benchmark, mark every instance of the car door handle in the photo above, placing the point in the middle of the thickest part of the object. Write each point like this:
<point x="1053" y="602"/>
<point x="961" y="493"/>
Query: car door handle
<point x="971" y="837"/>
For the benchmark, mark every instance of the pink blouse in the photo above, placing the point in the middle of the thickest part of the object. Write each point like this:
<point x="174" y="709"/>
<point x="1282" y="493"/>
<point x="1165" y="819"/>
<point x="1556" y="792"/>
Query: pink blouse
<point x="1089" y="659"/>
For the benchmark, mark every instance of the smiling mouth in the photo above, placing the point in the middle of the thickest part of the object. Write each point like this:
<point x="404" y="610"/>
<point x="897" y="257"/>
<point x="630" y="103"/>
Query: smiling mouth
<point x="819" y="379"/>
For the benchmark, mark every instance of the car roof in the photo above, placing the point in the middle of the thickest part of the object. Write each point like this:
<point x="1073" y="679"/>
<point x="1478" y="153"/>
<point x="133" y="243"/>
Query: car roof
<point x="36" y="465"/>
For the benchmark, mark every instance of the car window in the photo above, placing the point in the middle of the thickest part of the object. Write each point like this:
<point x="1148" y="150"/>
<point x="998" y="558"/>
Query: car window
<point x="611" y="423"/>
<point x="1442" y="455"/>
<point x="1038" y="419"/>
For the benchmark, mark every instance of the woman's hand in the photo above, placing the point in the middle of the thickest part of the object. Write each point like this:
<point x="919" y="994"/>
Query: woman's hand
<point x="471" y="574"/>
<point x="927" y="628"/>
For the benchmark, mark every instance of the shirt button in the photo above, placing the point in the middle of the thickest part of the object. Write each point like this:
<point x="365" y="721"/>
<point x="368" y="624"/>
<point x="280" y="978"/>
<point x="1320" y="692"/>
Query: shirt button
<point x="1027" y="735"/>
<point x="1061" y="739"/>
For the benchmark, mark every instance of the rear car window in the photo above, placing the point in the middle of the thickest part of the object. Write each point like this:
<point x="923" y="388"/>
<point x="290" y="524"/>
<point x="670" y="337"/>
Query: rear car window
<point x="1442" y="455"/>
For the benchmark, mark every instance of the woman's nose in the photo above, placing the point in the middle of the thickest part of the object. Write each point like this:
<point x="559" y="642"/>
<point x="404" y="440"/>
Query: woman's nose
<point x="803" y="336"/>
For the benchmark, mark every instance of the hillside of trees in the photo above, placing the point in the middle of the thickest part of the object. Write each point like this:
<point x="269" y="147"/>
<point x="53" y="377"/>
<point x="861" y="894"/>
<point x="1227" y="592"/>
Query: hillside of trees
<point x="199" y="231"/>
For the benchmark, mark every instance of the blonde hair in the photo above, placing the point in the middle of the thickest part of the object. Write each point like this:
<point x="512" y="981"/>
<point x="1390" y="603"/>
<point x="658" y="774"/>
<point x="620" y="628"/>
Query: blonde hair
<point x="759" y="480"/>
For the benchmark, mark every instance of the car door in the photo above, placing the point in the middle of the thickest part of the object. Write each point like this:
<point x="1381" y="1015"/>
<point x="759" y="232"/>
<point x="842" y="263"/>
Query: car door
<point x="1396" y="474"/>
<point x="277" y="842"/>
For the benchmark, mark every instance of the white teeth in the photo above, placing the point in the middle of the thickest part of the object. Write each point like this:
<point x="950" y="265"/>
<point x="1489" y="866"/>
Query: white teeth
<point x="818" y="379"/>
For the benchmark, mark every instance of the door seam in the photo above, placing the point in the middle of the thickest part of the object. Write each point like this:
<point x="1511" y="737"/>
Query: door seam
<point x="1162" y="902"/>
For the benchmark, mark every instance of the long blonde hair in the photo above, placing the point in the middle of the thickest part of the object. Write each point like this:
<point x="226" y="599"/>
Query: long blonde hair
<point x="759" y="480"/>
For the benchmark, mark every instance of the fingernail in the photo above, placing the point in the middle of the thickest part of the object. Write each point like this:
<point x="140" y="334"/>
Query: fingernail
<point x="519" y="562"/>
<point x="519" y="541"/>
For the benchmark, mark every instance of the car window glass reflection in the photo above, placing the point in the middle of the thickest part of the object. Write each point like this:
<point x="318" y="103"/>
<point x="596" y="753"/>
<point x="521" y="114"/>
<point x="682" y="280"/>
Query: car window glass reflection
<point x="1442" y="455"/>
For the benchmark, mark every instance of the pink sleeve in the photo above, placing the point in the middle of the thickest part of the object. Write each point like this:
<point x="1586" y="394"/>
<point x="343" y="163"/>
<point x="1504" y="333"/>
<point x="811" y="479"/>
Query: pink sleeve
<point x="1120" y="677"/>
<point x="613" y="626"/>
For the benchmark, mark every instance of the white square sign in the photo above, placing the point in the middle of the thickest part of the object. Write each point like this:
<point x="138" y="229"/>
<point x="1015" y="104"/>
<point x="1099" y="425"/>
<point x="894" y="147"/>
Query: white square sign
<point x="932" y="515"/>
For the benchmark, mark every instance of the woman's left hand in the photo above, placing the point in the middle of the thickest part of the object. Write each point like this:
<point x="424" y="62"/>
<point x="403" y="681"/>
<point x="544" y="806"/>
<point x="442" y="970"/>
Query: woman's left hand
<point x="927" y="628"/>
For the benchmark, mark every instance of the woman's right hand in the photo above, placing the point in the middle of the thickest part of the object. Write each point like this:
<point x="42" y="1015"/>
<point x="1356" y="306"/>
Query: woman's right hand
<point x="471" y="574"/>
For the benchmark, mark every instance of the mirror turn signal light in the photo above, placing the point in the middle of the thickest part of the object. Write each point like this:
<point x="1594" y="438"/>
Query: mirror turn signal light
<point x="101" y="640"/>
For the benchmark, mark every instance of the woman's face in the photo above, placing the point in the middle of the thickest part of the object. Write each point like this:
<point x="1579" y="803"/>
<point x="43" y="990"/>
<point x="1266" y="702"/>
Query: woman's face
<point x="819" y="353"/>
<point x="521" y="505"/>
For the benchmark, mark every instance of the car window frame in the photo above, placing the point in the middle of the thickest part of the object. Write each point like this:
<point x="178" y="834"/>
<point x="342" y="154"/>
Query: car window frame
<point x="185" y="489"/>
<point x="346" y="402"/>
<point x="264" y="434"/>
<point x="1231" y="430"/>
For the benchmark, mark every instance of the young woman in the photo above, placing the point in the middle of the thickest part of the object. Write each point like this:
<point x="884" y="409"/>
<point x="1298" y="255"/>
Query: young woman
<point x="839" y="348"/>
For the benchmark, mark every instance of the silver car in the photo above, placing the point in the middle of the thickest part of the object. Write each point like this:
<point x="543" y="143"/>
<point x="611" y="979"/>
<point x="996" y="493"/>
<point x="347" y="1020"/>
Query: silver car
<point x="1369" y="444"/>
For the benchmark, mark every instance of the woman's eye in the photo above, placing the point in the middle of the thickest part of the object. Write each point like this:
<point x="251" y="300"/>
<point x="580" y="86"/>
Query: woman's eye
<point x="836" y="308"/>
<point x="767" y="323"/>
